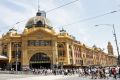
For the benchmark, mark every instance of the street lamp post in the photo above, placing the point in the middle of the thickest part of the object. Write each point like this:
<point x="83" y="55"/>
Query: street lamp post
<point x="16" y="58"/>
<point x="114" y="34"/>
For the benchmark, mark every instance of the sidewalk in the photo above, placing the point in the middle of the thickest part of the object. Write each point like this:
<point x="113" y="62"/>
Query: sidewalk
<point x="48" y="77"/>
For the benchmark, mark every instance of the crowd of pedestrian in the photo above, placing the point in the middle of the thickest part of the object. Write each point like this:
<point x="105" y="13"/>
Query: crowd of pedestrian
<point x="100" y="72"/>
<point x="93" y="72"/>
<point x="55" y="71"/>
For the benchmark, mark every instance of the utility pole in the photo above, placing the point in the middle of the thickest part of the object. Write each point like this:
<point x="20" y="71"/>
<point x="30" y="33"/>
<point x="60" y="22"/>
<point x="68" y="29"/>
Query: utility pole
<point x="114" y="33"/>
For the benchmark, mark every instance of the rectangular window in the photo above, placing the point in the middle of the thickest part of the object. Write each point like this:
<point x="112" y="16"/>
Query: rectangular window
<point x="42" y="43"/>
<point x="39" y="42"/>
<point x="19" y="54"/>
<point x="61" y="53"/>
<point x="5" y="53"/>
<point x="48" y="43"/>
<point x="13" y="54"/>
<point x="71" y="61"/>
<point x="36" y="43"/>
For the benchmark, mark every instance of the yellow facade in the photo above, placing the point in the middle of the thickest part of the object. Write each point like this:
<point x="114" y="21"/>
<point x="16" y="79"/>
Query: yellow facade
<point x="57" y="48"/>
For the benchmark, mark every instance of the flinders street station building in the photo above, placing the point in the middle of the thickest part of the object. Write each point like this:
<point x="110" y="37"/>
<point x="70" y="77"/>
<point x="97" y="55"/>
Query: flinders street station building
<point x="40" y="46"/>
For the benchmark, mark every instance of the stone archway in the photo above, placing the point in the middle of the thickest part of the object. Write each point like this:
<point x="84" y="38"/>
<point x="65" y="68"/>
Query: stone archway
<point x="40" y="60"/>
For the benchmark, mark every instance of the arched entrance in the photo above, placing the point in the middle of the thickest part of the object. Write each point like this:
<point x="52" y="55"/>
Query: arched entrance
<point x="39" y="61"/>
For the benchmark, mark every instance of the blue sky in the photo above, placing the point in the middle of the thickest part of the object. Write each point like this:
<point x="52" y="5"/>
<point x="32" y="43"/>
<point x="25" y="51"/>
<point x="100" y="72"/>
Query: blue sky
<point x="13" y="11"/>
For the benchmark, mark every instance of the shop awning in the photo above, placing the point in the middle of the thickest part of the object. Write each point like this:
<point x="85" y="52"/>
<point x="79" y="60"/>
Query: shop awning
<point x="3" y="57"/>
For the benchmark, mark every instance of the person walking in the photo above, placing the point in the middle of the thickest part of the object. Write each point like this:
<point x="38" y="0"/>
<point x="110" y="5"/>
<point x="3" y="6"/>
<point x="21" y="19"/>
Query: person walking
<point x="114" y="73"/>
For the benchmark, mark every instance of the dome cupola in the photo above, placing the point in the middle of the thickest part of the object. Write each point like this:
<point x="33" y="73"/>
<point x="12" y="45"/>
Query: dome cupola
<point x="39" y="20"/>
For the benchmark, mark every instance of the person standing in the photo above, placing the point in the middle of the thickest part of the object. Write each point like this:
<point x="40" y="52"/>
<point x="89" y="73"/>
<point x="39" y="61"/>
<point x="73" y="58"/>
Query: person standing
<point x="114" y="73"/>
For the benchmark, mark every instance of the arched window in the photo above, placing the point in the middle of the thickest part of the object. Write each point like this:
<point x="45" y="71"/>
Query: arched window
<point x="40" y="57"/>
<point x="60" y="46"/>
